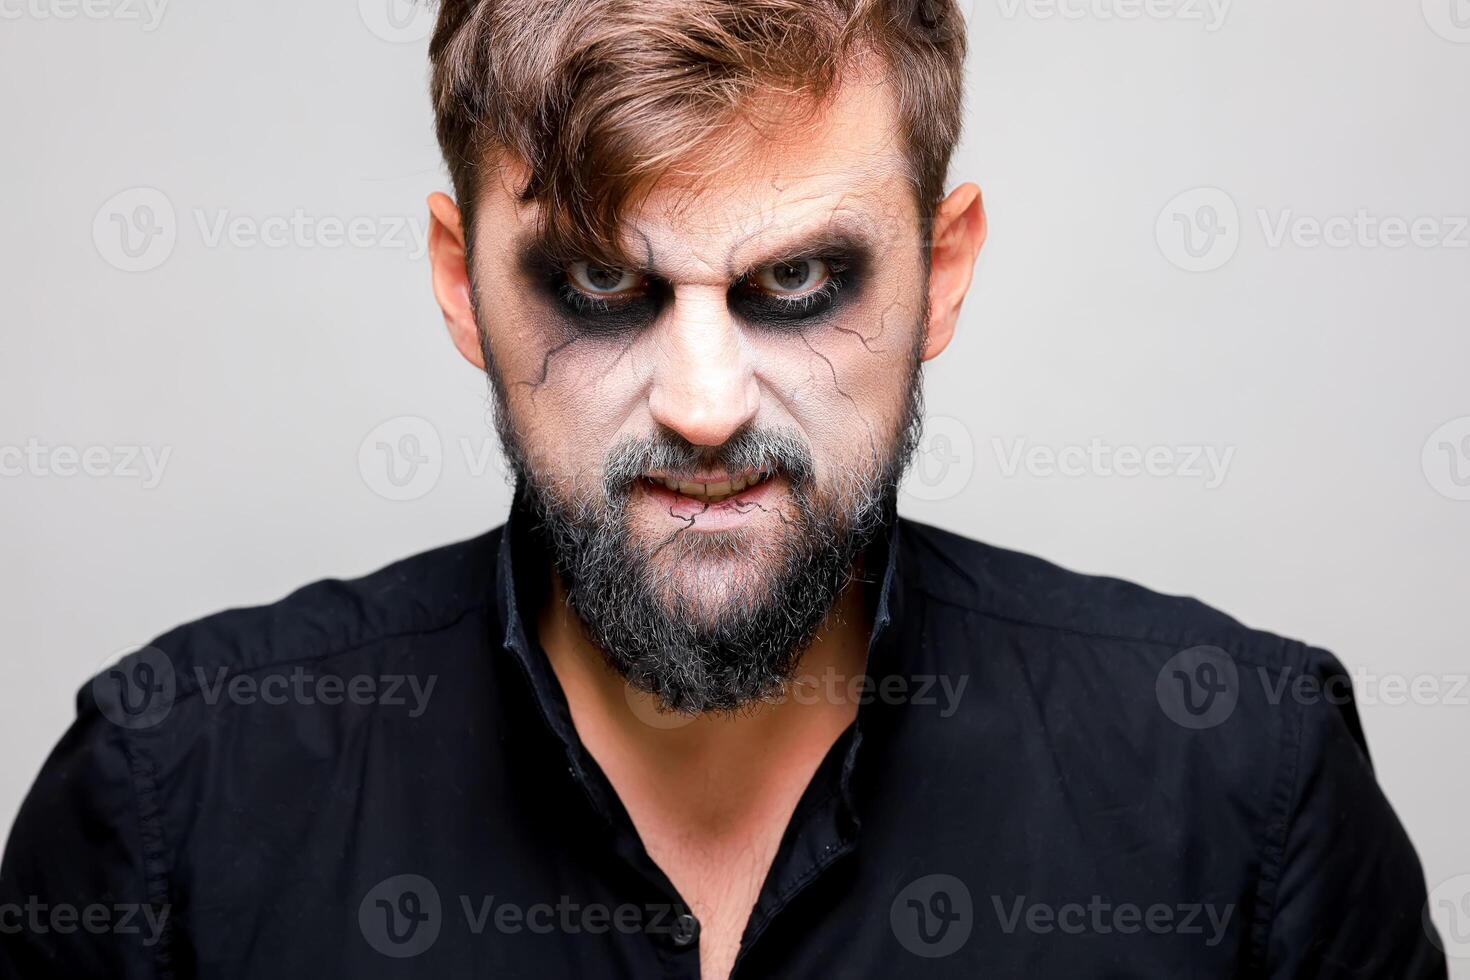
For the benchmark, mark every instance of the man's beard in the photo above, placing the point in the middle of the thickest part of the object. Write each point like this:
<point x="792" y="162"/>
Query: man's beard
<point x="713" y="621"/>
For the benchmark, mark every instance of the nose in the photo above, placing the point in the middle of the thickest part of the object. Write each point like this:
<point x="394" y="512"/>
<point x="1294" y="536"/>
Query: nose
<point x="704" y="386"/>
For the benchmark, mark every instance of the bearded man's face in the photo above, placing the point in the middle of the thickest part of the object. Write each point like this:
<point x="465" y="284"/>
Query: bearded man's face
<point x="710" y="438"/>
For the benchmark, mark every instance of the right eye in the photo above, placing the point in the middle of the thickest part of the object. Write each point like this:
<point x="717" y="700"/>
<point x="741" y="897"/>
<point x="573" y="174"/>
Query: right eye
<point x="601" y="280"/>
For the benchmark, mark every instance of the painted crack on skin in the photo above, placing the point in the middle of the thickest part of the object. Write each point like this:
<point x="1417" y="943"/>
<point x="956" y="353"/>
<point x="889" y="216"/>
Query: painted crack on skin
<point x="546" y="364"/>
<point x="872" y="443"/>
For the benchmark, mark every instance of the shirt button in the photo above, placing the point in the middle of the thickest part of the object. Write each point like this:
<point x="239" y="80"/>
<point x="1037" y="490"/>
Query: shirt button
<point x="686" y="930"/>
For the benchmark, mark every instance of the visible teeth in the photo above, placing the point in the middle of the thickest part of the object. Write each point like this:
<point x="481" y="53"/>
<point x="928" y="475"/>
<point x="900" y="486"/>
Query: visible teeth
<point x="713" y="492"/>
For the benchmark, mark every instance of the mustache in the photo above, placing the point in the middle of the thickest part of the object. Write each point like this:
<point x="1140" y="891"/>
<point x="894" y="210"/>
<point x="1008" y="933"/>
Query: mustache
<point x="768" y="449"/>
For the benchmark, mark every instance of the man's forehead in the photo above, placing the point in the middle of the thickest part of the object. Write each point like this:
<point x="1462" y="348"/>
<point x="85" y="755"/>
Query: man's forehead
<point x="723" y="234"/>
<point x="842" y="175"/>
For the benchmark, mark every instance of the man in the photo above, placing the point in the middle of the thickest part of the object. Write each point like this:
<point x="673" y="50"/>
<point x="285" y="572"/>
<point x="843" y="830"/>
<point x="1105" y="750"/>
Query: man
<point x="704" y="706"/>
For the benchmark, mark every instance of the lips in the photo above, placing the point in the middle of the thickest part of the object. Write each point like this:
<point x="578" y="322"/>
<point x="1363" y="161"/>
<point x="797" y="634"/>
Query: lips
<point x="710" y="491"/>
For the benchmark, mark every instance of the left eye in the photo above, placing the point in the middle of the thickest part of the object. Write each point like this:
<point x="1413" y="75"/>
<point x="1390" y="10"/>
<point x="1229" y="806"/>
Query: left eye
<point x="601" y="280"/>
<point x="793" y="278"/>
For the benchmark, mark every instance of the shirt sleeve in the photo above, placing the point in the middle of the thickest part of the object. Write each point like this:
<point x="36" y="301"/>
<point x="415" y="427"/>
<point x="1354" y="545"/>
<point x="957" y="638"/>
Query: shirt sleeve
<point x="1350" y="896"/>
<point x="75" y="899"/>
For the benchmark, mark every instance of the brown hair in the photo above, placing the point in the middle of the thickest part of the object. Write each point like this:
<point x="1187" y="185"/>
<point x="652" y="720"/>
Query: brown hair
<point x="601" y="98"/>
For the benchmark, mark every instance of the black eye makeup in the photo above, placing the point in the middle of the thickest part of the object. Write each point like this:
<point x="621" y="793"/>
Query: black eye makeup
<point x="793" y="292"/>
<point x="796" y="292"/>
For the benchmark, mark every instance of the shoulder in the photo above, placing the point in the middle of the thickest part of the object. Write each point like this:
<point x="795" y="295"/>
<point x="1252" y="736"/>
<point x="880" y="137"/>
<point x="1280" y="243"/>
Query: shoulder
<point x="1112" y="662"/>
<point x="1023" y="592"/>
<point x="1181" y="738"/>
<point x="327" y="619"/>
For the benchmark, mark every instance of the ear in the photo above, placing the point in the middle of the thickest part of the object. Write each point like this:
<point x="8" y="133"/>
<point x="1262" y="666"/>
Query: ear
<point x="448" y="262"/>
<point x="959" y="233"/>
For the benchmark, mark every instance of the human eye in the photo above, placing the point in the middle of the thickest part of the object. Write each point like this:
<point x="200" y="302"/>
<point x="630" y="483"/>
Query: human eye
<point x="602" y="281"/>
<point x="792" y="290"/>
<point x="604" y="298"/>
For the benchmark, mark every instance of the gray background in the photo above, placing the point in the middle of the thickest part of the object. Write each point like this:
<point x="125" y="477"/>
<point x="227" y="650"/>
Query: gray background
<point x="271" y="363"/>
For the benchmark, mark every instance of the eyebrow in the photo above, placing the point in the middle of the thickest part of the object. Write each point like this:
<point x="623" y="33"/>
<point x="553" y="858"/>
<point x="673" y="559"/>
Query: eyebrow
<point x="836" y="236"/>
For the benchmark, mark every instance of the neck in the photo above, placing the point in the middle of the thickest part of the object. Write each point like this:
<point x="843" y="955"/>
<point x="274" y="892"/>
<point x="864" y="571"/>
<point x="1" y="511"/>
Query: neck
<point x="734" y="760"/>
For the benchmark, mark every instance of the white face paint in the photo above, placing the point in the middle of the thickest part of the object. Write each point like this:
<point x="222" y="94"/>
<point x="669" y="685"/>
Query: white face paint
<point x="785" y="295"/>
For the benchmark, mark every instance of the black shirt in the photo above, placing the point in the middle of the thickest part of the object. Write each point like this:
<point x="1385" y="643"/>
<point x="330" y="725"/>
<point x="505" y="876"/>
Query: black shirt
<point x="1051" y="776"/>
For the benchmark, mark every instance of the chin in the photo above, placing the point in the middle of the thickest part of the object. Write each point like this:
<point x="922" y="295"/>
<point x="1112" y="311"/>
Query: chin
<point x="705" y="588"/>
